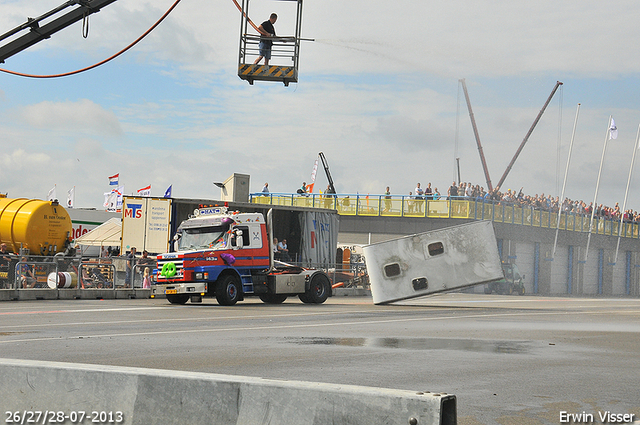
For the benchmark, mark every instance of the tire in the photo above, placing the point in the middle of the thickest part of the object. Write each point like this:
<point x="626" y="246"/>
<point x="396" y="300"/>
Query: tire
<point x="228" y="290"/>
<point x="304" y="298"/>
<point x="318" y="291"/>
<point x="178" y="298"/>
<point x="273" y="298"/>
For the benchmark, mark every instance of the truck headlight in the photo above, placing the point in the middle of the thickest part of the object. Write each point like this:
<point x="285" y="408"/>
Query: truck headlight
<point x="199" y="276"/>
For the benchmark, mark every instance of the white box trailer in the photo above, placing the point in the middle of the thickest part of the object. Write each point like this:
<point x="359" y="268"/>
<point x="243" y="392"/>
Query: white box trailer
<point x="436" y="261"/>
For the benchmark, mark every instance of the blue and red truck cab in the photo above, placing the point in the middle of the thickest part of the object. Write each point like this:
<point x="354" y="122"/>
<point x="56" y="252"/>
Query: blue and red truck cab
<point x="229" y="255"/>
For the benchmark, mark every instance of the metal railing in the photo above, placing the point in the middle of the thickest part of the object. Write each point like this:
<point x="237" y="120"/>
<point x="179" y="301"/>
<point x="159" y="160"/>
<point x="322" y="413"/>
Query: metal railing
<point x="460" y="207"/>
<point x="36" y="272"/>
<point x="59" y="273"/>
<point x="282" y="47"/>
<point x="137" y="277"/>
<point x="100" y="274"/>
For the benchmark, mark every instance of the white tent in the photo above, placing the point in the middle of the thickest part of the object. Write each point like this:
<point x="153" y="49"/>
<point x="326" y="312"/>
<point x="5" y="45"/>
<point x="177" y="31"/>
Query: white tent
<point x="108" y="233"/>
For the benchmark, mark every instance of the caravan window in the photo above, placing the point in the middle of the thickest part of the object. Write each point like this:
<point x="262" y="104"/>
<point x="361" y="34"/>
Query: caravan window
<point x="420" y="283"/>
<point x="435" y="248"/>
<point x="392" y="270"/>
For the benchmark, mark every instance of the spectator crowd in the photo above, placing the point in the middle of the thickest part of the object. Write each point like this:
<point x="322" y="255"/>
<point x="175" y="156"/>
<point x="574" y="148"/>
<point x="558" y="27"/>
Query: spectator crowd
<point x="468" y="191"/>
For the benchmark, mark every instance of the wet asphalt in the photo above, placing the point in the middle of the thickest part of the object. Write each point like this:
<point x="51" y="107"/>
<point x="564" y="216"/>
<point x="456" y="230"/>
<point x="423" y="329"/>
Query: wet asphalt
<point x="508" y="359"/>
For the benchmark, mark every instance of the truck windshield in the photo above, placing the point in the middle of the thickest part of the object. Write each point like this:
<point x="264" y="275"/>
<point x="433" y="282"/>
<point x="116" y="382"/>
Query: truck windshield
<point x="203" y="238"/>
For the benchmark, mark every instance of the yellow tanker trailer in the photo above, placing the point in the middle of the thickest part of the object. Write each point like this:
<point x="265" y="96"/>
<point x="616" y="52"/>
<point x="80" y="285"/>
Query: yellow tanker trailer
<point x="42" y="227"/>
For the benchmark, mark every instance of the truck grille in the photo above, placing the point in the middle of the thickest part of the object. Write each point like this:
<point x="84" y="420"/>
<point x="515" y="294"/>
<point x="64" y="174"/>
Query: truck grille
<point x="172" y="269"/>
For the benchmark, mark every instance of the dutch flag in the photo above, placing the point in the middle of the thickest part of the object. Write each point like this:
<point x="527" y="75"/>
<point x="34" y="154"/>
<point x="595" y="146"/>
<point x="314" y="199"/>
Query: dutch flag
<point x="113" y="180"/>
<point x="145" y="191"/>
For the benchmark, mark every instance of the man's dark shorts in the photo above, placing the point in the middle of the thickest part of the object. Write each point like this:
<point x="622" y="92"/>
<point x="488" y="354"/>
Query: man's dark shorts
<point x="265" y="49"/>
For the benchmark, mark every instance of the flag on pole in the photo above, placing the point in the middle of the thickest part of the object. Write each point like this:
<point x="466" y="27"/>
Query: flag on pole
<point x="113" y="199"/>
<point x="613" y="130"/>
<point x="120" y="193"/>
<point x="167" y="193"/>
<point x="52" y="195"/>
<point x="71" y="197"/>
<point x="113" y="180"/>
<point x="145" y="191"/>
<point x="313" y="177"/>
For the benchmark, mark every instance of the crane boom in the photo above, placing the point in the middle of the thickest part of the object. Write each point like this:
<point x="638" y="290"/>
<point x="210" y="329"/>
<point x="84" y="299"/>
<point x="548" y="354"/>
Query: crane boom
<point x="475" y="132"/>
<point x="526" y="138"/>
<point x="326" y="170"/>
<point x="38" y="33"/>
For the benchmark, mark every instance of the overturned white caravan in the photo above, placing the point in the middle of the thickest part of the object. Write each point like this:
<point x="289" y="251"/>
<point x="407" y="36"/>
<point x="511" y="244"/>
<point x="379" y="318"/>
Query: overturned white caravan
<point x="436" y="261"/>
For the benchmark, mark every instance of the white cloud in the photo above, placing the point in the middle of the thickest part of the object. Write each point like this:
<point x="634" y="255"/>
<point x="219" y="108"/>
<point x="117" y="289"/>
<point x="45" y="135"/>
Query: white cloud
<point x="19" y="159"/>
<point x="82" y="115"/>
<point x="447" y="38"/>
<point x="377" y="95"/>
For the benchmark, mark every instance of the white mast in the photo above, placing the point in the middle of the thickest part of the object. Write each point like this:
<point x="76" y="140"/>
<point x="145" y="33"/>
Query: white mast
<point x="626" y="193"/>
<point x="564" y="184"/>
<point x="607" y="136"/>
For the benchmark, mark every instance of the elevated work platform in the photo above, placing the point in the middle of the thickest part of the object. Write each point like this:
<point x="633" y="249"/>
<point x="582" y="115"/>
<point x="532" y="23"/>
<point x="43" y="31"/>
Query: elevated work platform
<point x="285" y="74"/>
<point x="284" y="51"/>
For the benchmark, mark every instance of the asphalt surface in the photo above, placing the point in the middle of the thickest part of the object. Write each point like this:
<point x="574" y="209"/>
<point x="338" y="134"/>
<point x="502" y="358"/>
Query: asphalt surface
<point x="508" y="359"/>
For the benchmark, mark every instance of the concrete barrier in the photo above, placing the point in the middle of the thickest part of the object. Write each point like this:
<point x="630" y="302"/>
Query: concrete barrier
<point x="71" y="294"/>
<point x="151" y="396"/>
<point x="351" y="292"/>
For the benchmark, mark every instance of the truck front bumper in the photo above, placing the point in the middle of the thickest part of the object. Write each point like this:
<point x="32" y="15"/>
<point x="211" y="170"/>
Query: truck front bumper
<point x="189" y="288"/>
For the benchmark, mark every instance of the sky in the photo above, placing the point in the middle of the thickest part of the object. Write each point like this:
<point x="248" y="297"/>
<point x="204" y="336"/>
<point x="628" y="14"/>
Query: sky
<point x="378" y="93"/>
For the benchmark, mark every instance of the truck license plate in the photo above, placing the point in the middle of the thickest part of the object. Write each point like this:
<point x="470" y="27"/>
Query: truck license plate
<point x="171" y="291"/>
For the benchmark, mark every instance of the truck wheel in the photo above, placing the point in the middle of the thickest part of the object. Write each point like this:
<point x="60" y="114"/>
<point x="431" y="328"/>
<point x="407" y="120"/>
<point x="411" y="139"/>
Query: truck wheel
<point x="228" y="290"/>
<point x="178" y="299"/>
<point x="304" y="298"/>
<point x="273" y="298"/>
<point x="318" y="290"/>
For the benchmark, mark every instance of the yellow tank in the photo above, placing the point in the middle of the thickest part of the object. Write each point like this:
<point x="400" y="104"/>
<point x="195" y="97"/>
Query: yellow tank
<point x="43" y="227"/>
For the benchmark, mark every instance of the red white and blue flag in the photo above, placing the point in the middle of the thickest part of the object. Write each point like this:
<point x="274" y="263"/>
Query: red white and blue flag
<point x="145" y="191"/>
<point x="113" y="180"/>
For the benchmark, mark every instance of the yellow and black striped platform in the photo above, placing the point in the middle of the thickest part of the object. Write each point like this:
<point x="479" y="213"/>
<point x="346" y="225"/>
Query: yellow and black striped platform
<point x="251" y="73"/>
